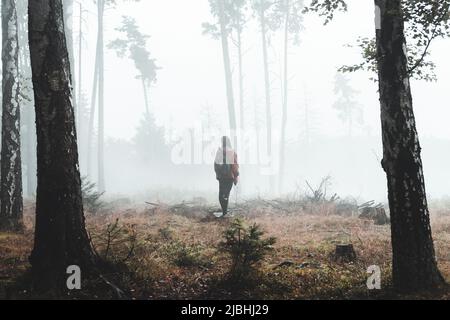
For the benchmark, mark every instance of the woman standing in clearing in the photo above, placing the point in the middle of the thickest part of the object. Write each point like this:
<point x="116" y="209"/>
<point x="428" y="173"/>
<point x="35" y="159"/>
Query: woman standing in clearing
<point x="227" y="172"/>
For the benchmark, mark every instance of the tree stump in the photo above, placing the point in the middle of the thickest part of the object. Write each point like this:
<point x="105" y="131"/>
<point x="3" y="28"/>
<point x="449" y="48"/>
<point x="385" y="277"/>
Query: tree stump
<point x="345" y="253"/>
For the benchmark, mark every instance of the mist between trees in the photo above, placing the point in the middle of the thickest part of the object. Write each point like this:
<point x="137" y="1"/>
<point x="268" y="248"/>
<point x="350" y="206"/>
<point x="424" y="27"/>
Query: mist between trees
<point x="289" y="131"/>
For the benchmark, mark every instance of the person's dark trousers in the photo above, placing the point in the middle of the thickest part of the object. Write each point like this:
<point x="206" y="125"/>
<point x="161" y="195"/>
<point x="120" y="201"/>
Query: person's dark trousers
<point x="225" y="187"/>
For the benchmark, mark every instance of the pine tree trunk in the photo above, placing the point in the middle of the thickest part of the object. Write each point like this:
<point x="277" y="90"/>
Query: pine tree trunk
<point x="285" y="100"/>
<point x="101" y="99"/>
<point x="228" y="74"/>
<point x="90" y="134"/>
<point x="11" y="212"/>
<point x="241" y="83"/>
<point x="262" y="19"/>
<point x="60" y="234"/>
<point x="414" y="262"/>
<point x="147" y="107"/>
<point x="27" y="111"/>
<point x="266" y="81"/>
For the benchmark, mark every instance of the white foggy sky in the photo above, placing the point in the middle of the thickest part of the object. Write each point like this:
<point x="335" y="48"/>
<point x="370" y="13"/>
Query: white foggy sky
<point x="192" y="71"/>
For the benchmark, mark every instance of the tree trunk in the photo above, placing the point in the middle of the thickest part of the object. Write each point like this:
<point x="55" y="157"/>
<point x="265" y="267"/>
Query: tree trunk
<point x="262" y="19"/>
<point x="11" y="212"/>
<point x="101" y="99"/>
<point x="31" y="151"/>
<point x="144" y="88"/>
<point x="241" y="82"/>
<point x="228" y="74"/>
<point x="27" y="111"/>
<point x="90" y="134"/>
<point x="285" y="100"/>
<point x="60" y="234"/>
<point x="414" y="263"/>
<point x="266" y="81"/>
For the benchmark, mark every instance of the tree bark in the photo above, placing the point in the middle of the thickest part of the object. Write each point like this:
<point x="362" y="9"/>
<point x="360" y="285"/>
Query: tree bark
<point x="414" y="263"/>
<point x="61" y="238"/>
<point x="11" y="213"/>
<point x="228" y="74"/>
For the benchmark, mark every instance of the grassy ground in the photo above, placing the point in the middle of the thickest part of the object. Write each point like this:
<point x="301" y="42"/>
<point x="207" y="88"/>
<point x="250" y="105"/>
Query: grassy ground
<point x="160" y="255"/>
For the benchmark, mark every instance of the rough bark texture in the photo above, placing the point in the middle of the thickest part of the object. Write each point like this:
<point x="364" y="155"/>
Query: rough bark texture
<point x="11" y="170"/>
<point x="414" y="263"/>
<point x="60" y="235"/>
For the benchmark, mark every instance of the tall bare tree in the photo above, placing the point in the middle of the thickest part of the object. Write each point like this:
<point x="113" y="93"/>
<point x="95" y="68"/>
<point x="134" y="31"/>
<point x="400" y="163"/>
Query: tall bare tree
<point x="60" y="234"/>
<point x="221" y="30"/>
<point x="286" y="15"/>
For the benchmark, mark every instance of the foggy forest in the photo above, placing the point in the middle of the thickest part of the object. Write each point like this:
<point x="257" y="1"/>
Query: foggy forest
<point x="225" y="150"/>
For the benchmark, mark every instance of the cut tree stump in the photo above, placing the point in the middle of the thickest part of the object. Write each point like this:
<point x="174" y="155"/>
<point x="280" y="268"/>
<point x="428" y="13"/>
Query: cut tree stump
<point x="345" y="253"/>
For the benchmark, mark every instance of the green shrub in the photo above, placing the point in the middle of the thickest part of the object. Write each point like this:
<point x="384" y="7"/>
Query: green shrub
<point x="246" y="247"/>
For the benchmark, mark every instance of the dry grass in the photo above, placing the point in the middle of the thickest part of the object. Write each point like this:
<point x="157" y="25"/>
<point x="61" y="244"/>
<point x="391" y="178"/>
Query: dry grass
<point x="168" y="256"/>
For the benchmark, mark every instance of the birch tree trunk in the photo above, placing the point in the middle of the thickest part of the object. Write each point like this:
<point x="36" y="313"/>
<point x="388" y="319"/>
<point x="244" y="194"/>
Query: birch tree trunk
<point x="60" y="234"/>
<point x="11" y="212"/>
<point x="414" y="263"/>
